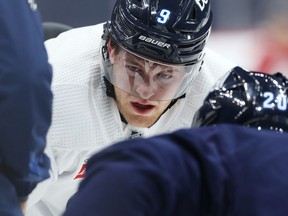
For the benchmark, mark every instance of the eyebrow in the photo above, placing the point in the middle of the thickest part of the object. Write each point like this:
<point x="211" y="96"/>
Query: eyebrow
<point x="135" y="60"/>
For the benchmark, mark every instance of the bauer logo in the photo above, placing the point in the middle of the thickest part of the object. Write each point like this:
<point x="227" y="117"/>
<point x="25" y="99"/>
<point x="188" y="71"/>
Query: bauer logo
<point x="155" y="42"/>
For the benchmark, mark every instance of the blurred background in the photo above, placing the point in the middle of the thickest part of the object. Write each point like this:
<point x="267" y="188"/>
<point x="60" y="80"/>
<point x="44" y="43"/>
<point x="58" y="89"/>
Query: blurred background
<point x="252" y="33"/>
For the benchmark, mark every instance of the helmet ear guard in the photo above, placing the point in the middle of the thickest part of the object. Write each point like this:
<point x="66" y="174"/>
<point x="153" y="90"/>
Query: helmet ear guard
<point x="253" y="99"/>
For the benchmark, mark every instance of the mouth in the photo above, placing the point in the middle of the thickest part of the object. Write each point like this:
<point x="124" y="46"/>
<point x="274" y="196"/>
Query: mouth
<point x="142" y="109"/>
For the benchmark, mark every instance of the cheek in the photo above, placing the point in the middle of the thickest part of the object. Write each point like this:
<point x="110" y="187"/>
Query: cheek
<point x="120" y="77"/>
<point x="121" y="96"/>
<point x="117" y="93"/>
<point x="163" y="105"/>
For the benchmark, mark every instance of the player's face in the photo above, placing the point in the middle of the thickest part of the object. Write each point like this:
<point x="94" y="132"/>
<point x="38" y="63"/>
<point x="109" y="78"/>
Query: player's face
<point x="140" y="81"/>
<point x="144" y="88"/>
<point x="146" y="79"/>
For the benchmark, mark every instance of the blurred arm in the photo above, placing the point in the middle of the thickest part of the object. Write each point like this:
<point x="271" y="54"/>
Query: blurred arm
<point x="25" y="97"/>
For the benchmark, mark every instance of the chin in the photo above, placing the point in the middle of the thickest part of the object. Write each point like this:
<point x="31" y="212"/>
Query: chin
<point x="141" y="122"/>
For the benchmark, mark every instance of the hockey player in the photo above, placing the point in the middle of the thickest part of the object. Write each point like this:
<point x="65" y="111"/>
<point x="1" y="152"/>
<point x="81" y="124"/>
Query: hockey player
<point x="143" y="73"/>
<point x="25" y="104"/>
<point x="219" y="170"/>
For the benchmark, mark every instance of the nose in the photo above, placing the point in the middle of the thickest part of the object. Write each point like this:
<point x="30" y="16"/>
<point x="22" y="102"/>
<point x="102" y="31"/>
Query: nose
<point x="145" y="90"/>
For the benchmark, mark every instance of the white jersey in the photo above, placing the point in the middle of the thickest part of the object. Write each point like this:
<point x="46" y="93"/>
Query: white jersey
<point x="86" y="120"/>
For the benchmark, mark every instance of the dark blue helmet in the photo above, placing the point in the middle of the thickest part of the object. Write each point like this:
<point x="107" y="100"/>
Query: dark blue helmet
<point x="173" y="32"/>
<point x="247" y="98"/>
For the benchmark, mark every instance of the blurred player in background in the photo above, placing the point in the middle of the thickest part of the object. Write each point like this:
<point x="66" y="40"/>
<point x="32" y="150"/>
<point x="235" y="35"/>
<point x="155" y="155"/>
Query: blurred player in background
<point x="272" y="48"/>
<point x="25" y="104"/>
<point x="221" y="168"/>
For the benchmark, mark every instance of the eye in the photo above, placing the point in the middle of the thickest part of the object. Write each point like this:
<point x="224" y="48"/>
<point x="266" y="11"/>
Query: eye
<point x="132" y="70"/>
<point x="164" y="75"/>
<point x="166" y="78"/>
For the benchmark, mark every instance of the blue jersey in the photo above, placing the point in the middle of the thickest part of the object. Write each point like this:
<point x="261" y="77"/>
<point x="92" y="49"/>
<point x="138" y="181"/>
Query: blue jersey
<point x="25" y="96"/>
<point x="220" y="170"/>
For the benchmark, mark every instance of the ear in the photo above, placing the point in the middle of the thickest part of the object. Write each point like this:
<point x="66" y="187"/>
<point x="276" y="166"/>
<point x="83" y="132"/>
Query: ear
<point x="111" y="50"/>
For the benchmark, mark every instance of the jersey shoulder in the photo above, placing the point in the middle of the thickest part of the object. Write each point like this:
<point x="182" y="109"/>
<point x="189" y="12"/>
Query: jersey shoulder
<point x="75" y="55"/>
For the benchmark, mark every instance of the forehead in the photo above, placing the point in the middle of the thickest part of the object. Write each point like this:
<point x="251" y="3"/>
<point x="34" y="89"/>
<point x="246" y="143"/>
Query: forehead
<point x="127" y="57"/>
<point x="131" y="58"/>
<point x="150" y="65"/>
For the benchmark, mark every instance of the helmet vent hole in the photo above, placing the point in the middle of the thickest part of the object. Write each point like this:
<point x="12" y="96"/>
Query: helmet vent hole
<point x="193" y="14"/>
